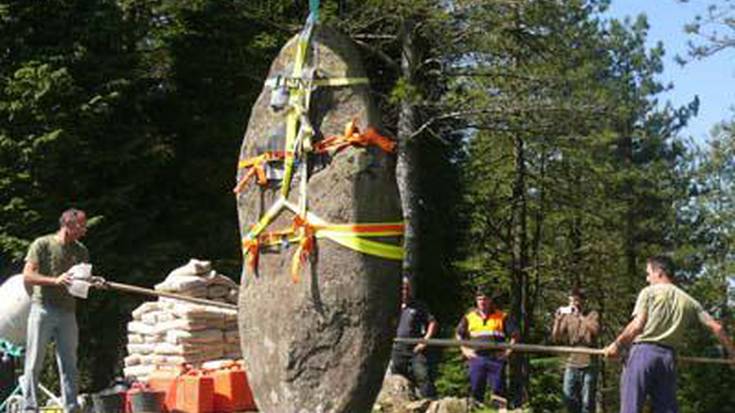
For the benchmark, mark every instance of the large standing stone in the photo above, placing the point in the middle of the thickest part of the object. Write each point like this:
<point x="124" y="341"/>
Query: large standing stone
<point x="321" y="345"/>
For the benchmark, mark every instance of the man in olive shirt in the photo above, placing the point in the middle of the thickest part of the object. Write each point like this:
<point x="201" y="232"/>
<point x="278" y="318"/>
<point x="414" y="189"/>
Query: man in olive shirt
<point x="660" y="319"/>
<point x="53" y="315"/>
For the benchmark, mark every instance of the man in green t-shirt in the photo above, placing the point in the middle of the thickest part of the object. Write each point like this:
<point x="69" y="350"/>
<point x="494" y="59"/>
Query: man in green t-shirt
<point x="660" y="319"/>
<point x="53" y="315"/>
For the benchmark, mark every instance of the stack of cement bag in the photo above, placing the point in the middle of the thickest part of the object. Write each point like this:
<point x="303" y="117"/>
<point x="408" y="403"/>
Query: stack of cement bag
<point x="169" y="333"/>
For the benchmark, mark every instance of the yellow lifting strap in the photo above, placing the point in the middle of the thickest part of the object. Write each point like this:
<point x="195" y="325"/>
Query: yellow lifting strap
<point x="298" y="82"/>
<point x="303" y="233"/>
<point x="365" y="246"/>
<point x="348" y="235"/>
<point x="297" y="97"/>
<point x="266" y="219"/>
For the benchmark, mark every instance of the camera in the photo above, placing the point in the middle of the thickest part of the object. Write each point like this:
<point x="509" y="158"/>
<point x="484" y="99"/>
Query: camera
<point x="567" y="310"/>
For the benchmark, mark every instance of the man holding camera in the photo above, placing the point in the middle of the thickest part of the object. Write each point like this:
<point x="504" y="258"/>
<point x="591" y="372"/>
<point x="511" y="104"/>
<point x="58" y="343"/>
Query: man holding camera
<point x="575" y="325"/>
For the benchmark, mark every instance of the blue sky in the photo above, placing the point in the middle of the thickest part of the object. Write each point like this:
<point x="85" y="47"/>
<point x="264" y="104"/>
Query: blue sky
<point x="712" y="79"/>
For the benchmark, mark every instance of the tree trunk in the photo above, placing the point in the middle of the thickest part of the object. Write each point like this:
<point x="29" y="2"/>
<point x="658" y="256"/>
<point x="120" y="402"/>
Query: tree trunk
<point x="519" y="373"/>
<point x="537" y="241"/>
<point x="626" y="155"/>
<point x="407" y="167"/>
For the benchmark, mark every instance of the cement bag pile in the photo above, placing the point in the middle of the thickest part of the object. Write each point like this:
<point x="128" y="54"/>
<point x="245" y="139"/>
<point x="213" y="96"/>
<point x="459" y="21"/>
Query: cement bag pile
<point x="317" y="310"/>
<point x="14" y="308"/>
<point x="169" y="333"/>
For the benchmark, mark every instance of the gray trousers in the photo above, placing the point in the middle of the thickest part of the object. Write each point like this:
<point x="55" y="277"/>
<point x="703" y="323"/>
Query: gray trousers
<point x="47" y="323"/>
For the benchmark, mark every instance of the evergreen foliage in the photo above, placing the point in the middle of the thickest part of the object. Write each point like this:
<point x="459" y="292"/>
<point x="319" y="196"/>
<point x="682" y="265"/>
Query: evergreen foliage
<point x="541" y="157"/>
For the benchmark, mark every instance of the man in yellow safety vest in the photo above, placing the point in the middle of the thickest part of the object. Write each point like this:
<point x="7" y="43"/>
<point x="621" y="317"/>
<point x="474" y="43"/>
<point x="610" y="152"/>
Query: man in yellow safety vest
<point x="486" y="322"/>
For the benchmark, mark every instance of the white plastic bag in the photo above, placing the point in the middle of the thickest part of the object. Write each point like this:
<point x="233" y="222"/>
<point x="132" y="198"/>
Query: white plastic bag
<point x="14" y="308"/>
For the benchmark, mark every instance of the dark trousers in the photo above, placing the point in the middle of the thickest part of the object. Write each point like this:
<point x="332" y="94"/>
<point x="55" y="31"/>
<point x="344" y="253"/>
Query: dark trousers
<point x="484" y="371"/>
<point x="415" y="367"/>
<point x="649" y="371"/>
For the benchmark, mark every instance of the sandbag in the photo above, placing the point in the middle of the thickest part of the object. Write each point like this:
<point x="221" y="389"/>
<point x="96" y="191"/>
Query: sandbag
<point x="179" y="349"/>
<point x="193" y="267"/>
<point x="152" y="317"/>
<point x="217" y="291"/>
<point x="14" y="308"/>
<point x="196" y="311"/>
<point x="232" y="336"/>
<point x="219" y="279"/>
<point x="153" y="338"/>
<point x="204" y="336"/>
<point x="187" y="324"/>
<point x="139" y="327"/>
<point x="144" y="308"/>
<point x="140" y="371"/>
<point x="146" y="348"/>
<point x="182" y="284"/>
<point x="132" y="360"/>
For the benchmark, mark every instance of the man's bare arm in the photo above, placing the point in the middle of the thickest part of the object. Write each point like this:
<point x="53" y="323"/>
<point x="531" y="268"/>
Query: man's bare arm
<point x="719" y="331"/>
<point x="468" y="352"/>
<point x="633" y="329"/>
<point x="32" y="276"/>
<point x="431" y="330"/>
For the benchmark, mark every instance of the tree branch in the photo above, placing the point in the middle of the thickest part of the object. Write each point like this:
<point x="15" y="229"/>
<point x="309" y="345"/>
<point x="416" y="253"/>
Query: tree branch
<point x="379" y="53"/>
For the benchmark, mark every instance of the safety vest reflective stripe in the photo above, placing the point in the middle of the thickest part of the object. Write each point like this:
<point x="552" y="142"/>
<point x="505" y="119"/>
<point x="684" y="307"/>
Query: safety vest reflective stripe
<point x="488" y="334"/>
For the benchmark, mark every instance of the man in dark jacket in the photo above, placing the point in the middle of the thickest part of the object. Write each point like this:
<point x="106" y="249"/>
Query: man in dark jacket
<point x="410" y="360"/>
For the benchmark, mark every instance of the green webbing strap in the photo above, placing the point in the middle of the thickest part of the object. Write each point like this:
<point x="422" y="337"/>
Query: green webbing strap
<point x="296" y="106"/>
<point x="13" y="351"/>
<point x="314" y="9"/>
<point x="10" y="348"/>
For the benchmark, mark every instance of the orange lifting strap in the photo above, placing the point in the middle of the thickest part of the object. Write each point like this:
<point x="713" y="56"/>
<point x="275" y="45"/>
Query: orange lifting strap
<point x="353" y="137"/>
<point x="257" y="168"/>
<point x="332" y="144"/>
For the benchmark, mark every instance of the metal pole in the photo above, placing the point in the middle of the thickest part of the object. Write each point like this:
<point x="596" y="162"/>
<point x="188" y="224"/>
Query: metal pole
<point x="537" y="348"/>
<point x="147" y="291"/>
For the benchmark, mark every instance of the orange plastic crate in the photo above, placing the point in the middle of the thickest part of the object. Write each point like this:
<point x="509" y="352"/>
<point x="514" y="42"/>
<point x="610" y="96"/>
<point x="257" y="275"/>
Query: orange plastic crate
<point x="231" y="391"/>
<point x="165" y="381"/>
<point x="194" y="393"/>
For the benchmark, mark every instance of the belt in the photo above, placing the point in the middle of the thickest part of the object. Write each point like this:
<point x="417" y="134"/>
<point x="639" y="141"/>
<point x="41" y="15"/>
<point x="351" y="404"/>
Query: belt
<point x="663" y="346"/>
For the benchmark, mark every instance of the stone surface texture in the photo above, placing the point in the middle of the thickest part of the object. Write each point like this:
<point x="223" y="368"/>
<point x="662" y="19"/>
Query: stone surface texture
<point x="322" y="344"/>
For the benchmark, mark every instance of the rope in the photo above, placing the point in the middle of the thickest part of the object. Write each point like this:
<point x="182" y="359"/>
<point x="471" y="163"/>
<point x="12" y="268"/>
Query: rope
<point x="538" y="348"/>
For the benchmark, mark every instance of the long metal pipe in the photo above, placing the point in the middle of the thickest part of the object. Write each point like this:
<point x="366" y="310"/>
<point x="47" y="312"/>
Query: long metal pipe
<point x="147" y="291"/>
<point x="538" y="348"/>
